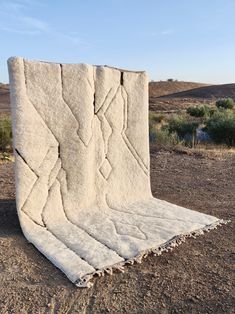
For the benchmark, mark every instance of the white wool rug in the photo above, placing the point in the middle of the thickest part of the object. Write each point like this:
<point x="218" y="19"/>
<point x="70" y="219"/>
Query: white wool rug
<point x="82" y="169"/>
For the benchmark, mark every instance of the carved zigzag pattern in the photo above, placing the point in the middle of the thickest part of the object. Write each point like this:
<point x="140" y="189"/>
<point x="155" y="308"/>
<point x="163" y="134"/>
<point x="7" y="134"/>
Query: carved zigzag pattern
<point x="64" y="210"/>
<point x="118" y="226"/>
<point x="101" y="114"/>
<point x="85" y="143"/>
<point x="125" y="224"/>
<point x="38" y="177"/>
<point x="127" y="141"/>
<point x="104" y="108"/>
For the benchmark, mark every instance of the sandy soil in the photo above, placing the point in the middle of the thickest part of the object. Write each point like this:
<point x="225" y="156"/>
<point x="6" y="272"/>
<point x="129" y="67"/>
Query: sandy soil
<point x="195" y="277"/>
<point x="170" y="104"/>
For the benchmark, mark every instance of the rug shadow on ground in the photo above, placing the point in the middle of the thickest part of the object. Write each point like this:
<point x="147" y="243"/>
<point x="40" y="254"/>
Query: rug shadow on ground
<point x="9" y="222"/>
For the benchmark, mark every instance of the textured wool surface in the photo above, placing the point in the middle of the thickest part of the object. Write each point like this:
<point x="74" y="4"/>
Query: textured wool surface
<point x="82" y="168"/>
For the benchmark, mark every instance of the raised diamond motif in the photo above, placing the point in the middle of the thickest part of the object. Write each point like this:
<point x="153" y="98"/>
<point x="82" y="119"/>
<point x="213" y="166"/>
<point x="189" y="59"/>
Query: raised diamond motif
<point x="105" y="169"/>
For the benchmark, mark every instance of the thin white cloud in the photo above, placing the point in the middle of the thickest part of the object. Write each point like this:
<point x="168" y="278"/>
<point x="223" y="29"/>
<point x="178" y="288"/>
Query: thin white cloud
<point x="10" y="7"/>
<point x="31" y="2"/>
<point x="34" y="23"/>
<point x="158" y="34"/>
<point x="19" y="22"/>
<point x="167" y="32"/>
<point x="20" y="32"/>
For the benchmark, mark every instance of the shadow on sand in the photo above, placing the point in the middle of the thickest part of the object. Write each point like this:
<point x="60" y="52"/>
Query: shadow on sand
<point x="9" y="222"/>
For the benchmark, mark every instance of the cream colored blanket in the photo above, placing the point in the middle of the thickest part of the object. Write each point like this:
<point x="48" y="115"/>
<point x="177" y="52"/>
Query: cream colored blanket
<point x="82" y="169"/>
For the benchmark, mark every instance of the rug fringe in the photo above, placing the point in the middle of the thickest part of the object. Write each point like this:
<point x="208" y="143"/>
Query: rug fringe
<point x="85" y="282"/>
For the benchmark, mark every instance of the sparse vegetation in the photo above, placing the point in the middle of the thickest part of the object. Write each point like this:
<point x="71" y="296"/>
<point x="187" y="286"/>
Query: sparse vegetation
<point x="225" y="103"/>
<point x="162" y="137"/>
<point x="200" y="111"/>
<point x="5" y="133"/>
<point x="5" y="156"/>
<point x="204" y="124"/>
<point x="186" y="130"/>
<point x="196" y="111"/>
<point x="166" y="139"/>
<point x="156" y="117"/>
<point x="221" y="127"/>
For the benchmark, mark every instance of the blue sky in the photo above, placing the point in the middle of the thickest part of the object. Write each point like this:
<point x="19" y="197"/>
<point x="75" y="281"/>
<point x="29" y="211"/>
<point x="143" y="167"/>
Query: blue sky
<point x="191" y="40"/>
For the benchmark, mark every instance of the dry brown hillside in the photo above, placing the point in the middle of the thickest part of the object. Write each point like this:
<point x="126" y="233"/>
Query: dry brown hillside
<point x="4" y="98"/>
<point x="156" y="89"/>
<point x="162" y="88"/>
<point x="207" y="92"/>
<point x="163" y="95"/>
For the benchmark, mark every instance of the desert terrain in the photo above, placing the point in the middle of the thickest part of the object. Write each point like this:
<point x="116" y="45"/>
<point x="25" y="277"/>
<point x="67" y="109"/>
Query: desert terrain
<point x="4" y="98"/>
<point x="163" y="95"/>
<point x="174" y="96"/>
<point x="196" y="277"/>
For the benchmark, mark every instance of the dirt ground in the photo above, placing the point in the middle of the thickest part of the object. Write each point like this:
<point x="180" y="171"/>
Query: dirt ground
<point x="195" y="277"/>
<point x="168" y="105"/>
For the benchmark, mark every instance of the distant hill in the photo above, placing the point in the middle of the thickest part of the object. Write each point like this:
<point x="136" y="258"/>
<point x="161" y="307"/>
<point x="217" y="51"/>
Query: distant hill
<point x="163" y="95"/>
<point x="206" y="92"/>
<point x="162" y="88"/>
<point x="174" y="96"/>
<point x="4" y="98"/>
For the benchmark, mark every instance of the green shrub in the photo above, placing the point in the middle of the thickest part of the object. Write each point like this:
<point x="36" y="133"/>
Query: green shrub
<point x="186" y="130"/>
<point x="166" y="139"/>
<point x="200" y="111"/>
<point x="156" y="117"/>
<point x="210" y="110"/>
<point x="152" y="132"/>
<point x="181" y="126"/>
<point x="196" y="111"/>
<point x="221" y="127"/>
<point x="163" y="138"/>
<point x="226" y="103"/>
<point x="5" y="133"/>
<point x="5" y="156"/>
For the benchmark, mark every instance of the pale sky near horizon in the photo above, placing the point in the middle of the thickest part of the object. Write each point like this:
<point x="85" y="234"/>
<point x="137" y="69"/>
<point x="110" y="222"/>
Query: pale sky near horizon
<point x="190" y="40"/>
